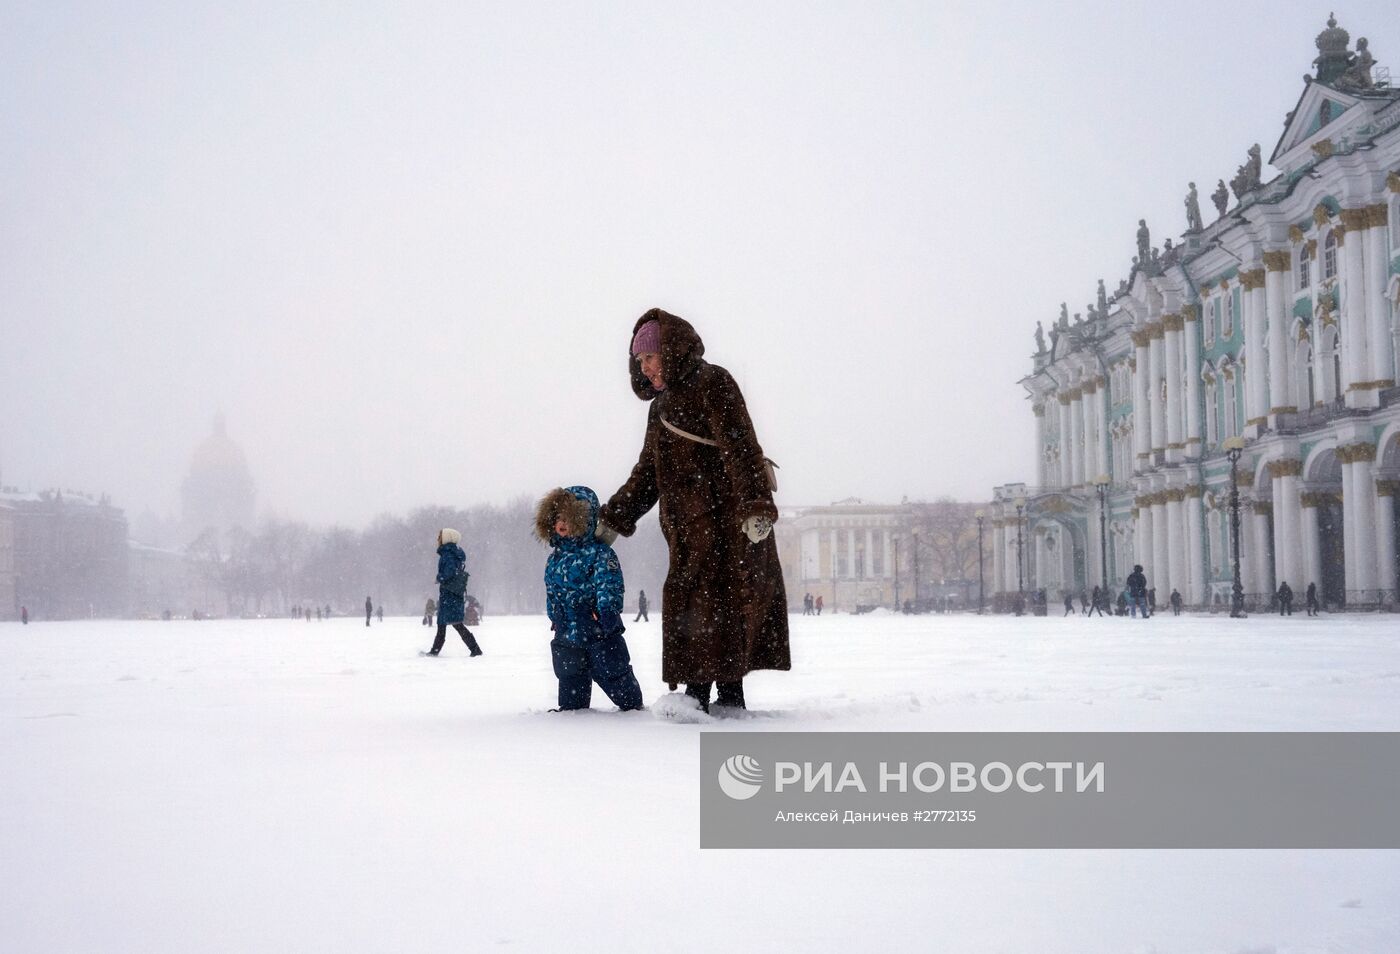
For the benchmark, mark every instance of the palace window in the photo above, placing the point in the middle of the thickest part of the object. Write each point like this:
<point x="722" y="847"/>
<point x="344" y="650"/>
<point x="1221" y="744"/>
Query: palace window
<point x="1304" y="269"/>
<point x="1229" y="426"/>
<point x="1209" y="329"/>
<point x="1212" y="409"/>
<point x="1227" y="327"/>
<point x="1329" y="256"/>
<point x="1303" y="376"/>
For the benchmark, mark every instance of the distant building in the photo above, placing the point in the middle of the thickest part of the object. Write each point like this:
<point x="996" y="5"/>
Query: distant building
<point x="858" y="555"/>
<point x="218" y="492"/>
<point x="1277" y="324"/>
<point x="162" y="580"/>
<point x="63" y="556"/>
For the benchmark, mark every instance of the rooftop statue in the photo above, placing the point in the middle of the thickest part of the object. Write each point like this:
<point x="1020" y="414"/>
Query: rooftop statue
<point x="1332" y="57"/>
<point x="1193" y="211"/>
<point x="1144" y="242"/>
<point x="1103" y="300"/>
<point x="1064" y="316"/>
<point x="1246" y="178"/>
<point x="1358" y="73"/>
<point x="1221" y="198"/>
<point x="1039" y="338"/>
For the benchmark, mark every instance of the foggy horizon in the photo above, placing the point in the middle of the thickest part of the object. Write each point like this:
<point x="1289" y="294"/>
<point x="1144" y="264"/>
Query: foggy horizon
<point x="401" y="249"/>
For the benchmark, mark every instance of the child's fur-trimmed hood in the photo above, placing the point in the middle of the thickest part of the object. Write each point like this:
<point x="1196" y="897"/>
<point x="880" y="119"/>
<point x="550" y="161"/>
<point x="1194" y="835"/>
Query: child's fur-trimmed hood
<point x="576" y="509"/>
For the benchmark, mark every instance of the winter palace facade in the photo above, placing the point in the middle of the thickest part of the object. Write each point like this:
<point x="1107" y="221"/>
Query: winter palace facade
<point x="1275" y="323"/>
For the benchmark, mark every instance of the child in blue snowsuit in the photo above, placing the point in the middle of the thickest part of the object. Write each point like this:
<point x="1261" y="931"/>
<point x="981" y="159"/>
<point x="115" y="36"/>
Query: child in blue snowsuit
<point x="583" y="596"/>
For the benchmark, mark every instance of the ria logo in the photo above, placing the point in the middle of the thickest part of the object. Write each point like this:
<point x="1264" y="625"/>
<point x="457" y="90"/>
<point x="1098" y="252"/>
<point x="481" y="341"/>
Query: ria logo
<point x="740" y="777"/>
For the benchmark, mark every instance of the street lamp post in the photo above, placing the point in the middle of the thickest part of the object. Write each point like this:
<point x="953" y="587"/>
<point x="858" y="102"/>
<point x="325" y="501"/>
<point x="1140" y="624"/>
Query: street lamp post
<point x="981" y="515"/>
<point x="1020" y="559"/>
<point x="1101" y="482"/>
<point x="1234" y="446"/>
<point x="916" y="572"/>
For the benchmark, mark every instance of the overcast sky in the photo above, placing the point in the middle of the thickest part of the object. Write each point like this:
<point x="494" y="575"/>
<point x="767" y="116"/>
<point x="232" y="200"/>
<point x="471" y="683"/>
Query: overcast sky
<point x="401" y="245"/>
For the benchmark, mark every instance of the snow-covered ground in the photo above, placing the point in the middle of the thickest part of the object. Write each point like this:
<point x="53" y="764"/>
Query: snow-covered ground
<point x="291" y="786"/>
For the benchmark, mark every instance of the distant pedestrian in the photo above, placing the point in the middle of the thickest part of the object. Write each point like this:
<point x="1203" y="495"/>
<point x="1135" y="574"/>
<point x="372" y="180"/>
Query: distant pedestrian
<point x="642" y="607"/>
<point x="1175" y="600"/>
<point x="328" y="611"/>
<point x="1084" y="602"/>
<point x="452" y="592"/>
<point x="1312" y="599"/>
<point x="1096" y="601"/>
<point x="1069" y="603"/>
<point x="1152" y="599"/>
<point x="24" y="615"/>
<point x="1137" y="591"/>
<point x="369" y="609"/>
<point x="1285" y="599"/>
<point x="306" y="615"/>
<point x="1122" y="603"/>
<point x="429" y="610"/>
<point x="318" y="614"/>
<point x="379" y="612"/>
<point x="818" y="604"/>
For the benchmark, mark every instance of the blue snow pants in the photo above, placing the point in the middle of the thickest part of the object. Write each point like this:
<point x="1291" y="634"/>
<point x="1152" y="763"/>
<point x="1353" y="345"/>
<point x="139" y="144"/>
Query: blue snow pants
<point x="604" y="660"/>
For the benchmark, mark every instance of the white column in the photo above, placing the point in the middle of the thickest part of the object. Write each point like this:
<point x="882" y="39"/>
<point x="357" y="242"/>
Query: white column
<point x="1195" y="546"/>
<point x="1142" y="536"/>
<point x="835" y="542"/>
<point x="1311" y="542"/>
<point x="1142" y="416"/>
<point x="1288" y="519"/>
<point x="1160" y="573"/>
<point x="1172" y="325"/>
<point x="1076" y="443"/>
<point x="1356" y="341"/>
<point x="1362" y="515"/>
<point x="1066" y="443"/>
<point x="1256" y="375"/>
<point x="1385" y="536"/>
<point x="1086" y="407"/>
<point x="869" y="568"/>
<point x="1263" y="566"/>
<point x="1041" y="477"/>
<point x="1349" y="557"/>
<point x="1377" y="308"/>
<point x="1276" y="270"/>
<point x="1155" y="372"/>
<point x="888" y="562"/>
<point x="851" y="554"/>
<point x="1195" y="433"/>
<point x="1176" y="543"/>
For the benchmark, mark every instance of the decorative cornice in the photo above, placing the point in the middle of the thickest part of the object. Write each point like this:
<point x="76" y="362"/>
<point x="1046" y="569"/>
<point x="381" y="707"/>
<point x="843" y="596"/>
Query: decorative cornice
<point x="1356" y="453"/>
<point x="1101" y="381"/>
<point x="1207" y="290"/>
<point x="1388" y="488"/>
<point x="1378" y="216"/>
<point x="1354" y="219"/>
<point x="1288" y="467"/>
<point x="1393" y="181"/>
<point x="1283" y="410"/>
<point x="1263" y="508"/>
<point x="1323" y="148"/>
<point x="1140" y="501"/>
<point x="1261" y="421"/>
<point x="1243" y="479"/>
<point x="1320" y="498"/>
<point x="1321" y="215"/>
<point x="1155" y="332"/>
<point x="1172" y="322"/>
<point x="1089" y="386"/>
<point x="1340" y="233"/>
<point x="1295" y="234"/>
<point x="1194" y="491"/>
<point x="1176" y="446"/>
<point x="1190" y="312"/>
<point x="1140" y="337"/>
<point x="1224" y="284"/>
<point x="1371" y="385"/>
<point x="1311" y="248"/>
<point x="1063" y="399"/>
<point x="1038" y="410"/>
<point x="1277" y="261"/>
<point x="1175" y="495"/>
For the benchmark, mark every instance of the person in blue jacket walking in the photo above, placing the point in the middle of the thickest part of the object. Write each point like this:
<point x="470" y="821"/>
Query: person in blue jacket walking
<point x="452" y="592"/>
<point x="583" y="597"/>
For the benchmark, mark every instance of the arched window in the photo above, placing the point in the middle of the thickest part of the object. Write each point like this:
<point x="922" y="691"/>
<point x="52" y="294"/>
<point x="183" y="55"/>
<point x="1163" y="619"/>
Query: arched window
<point x="1329" y="255"/>
<point x="1303" y="375"/>
<point x="1227" y="326"/>
<point x="1304" y="269"/>
<point x="1327" y="365"/>
<point x="1209" y="329"/>
<point x="1212" y="413"/>
<point x="1229" y="424"/>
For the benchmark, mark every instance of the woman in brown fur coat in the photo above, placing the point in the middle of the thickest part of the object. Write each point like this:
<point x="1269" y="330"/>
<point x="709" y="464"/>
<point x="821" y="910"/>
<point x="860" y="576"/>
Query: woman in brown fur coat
<point x="724" y="611"/>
